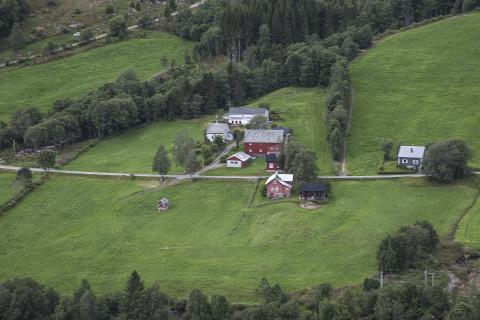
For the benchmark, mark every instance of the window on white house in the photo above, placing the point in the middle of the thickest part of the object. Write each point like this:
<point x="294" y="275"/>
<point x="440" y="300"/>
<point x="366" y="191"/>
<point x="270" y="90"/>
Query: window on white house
<point x="415" y="161"/>
<point x="404" y="161"/>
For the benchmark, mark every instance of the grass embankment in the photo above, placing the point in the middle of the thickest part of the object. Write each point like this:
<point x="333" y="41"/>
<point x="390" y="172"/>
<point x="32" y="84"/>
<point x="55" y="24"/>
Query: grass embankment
<point x="71" y="77"/>
<point x="417" y="87"/>
<point x="468" y="231"/>
<point x="7" y="187"/>
<point x="75" y="228"/>
<point x="303" y="110"/>
<point x="133" y="151"/>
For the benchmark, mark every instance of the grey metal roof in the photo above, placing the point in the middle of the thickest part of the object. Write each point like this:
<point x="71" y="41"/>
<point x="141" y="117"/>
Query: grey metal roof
<point x="213" y="128"/>
<point x="264" y="136"/>
<point x="243" y="110"/>
<point x="242" y="156"/>
<point x="411" y="152"/>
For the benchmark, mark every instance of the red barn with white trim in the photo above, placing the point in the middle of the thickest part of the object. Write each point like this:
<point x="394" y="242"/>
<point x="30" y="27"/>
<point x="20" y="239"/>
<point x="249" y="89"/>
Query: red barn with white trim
<point x="261" y="142"/>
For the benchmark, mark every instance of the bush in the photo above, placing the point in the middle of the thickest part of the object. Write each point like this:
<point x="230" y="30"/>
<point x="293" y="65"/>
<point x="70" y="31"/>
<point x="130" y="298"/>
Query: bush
<point x="109" y="9"/>
<point x="118" y="26"/>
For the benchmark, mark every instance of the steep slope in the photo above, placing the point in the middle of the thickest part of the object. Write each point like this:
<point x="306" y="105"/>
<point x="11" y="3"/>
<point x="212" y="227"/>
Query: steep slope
<point x="417" y="87"/>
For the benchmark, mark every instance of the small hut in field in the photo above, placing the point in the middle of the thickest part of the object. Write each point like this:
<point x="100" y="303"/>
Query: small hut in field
<point x="163" y="205"/>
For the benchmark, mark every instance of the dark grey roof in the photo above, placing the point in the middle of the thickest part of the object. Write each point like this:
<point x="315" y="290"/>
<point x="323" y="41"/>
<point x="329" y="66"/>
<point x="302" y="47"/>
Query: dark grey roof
<point x="285" y="130"/>
<point x="271" y="157"/>
<point x="314" y="187"/>
<point x="264" y="136"/>
<point x="243" y="110"/>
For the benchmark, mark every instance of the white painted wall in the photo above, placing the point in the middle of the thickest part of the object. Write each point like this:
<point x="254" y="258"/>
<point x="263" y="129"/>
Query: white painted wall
<point x="234" y="164"/>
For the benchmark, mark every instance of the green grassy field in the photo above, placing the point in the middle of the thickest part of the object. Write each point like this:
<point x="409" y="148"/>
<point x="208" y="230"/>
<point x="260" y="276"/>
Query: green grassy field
<point x="41" y="85"/>
<point x="75" y="228"/>
<point x="255" y="168"/>
<point x="7" y="188"/>
<point x="133" y="151"/>
<point x="303" y="110"/>
<point x="417" y="87"/>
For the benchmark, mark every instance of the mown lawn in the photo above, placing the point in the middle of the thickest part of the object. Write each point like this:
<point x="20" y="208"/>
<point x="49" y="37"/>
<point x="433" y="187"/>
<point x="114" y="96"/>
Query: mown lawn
<point x="71" y="77"/>
<point x="303" y="110"/>
<point x="74" y="228"/>
<point x="255" y="168"/>
<point x="133" y="151"/>
<point x="417" y="87"/>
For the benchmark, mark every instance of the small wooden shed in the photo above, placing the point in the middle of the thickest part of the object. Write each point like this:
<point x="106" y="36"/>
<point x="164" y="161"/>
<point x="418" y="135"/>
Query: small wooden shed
<point x="163" y="205"/>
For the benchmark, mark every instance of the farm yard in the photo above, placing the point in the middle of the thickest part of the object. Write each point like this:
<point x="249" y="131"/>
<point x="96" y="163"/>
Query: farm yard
<point x="302" y="110"/>
<point x="133" y="151"/>
<point x="417" y="87"/>
<point x="74" y="228"/>
<point x="42" y="85"/>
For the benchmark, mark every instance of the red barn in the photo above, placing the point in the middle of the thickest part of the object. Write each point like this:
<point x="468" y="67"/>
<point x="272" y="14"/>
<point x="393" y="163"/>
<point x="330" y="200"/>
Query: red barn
<point x="261" y="142"/>
<point x="279" y="185"/>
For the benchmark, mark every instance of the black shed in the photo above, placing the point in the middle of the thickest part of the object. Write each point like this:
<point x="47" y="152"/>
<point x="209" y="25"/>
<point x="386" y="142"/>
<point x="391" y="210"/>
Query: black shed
<point x="314" y="191"/>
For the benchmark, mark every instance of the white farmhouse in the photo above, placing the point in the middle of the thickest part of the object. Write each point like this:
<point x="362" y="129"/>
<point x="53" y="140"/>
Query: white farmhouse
<point x="245" y="115"/>
<point x="411" y="156"/>
<point x="219" y="129"/>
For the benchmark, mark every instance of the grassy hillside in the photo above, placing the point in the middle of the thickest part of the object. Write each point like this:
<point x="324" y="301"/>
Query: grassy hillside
<point x="75" y="228"/>
<point x="133" y="151"/>
<point x="417" y="87"/>
<point x="303" y="110"/>
<point x="41" y="85"/>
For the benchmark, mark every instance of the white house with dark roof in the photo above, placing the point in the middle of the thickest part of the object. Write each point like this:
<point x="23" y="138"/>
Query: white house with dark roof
<point x="243" y="116"/>
<point x="261" y="142"/>
<point x="219" y="129"/>
<point x="411" y="156"/>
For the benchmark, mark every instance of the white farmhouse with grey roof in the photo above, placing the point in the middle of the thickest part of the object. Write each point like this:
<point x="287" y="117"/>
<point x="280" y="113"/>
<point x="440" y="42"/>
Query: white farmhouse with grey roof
<point x="245" y="115"/>
<point x="411" y="156"/>
<point x="219" y="129"/>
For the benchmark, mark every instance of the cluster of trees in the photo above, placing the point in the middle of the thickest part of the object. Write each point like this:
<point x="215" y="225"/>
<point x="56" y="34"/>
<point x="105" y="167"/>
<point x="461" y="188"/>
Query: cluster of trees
<point x="406" y="247"/>
<point x="118" y="106"/>
<point x="339" y="102"/>
<point x="299" y="161"/>
<point x="12" y="12"/>
<point x="447" y="160"/>
<point x="27" y="299"/>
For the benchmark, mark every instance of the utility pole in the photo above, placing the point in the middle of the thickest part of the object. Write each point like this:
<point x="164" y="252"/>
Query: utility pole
<point x="433" y="279"/>
<point x="381" y="279"/>
<point x="14" y="147"/>
<point x="425" y="273"/>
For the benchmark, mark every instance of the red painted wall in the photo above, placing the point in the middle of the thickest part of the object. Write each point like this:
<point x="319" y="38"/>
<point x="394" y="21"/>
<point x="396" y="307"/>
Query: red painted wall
<point x="273" y="167"/>
<point x="275" y="189"/>
<point x="262" y="148"/>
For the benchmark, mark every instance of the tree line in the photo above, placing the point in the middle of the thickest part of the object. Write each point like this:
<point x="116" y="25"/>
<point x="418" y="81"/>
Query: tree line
<point x="12" y="12"/>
